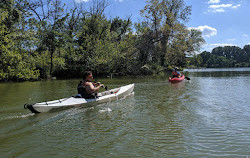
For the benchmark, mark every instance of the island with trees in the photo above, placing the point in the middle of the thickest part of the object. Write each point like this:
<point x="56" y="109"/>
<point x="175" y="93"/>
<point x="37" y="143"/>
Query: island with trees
<point x="44" y="38"/>
<point x="227" y="56"/>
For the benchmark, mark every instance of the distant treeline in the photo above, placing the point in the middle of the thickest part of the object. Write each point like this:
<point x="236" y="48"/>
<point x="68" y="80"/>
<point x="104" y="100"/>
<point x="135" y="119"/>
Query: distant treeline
<point x="41" y="38"/>
<point x="228" y="56"/>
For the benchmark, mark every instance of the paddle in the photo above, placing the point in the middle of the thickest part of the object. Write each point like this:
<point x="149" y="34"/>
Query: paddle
<point x="105" y="87"/>
<point x="187" y="78"/>
<point x="98" y="83"/>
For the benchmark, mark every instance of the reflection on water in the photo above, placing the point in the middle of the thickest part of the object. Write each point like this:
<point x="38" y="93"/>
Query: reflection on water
<point x="219" y="72"/>
<point x="206" y="117"/>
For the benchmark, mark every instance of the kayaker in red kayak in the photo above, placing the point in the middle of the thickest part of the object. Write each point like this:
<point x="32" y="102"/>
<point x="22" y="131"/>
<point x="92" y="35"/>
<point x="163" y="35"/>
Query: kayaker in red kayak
<point x="175" y="73"/>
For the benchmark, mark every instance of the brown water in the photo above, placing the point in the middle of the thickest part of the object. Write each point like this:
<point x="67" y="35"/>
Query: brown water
<point x="207" y="117"/>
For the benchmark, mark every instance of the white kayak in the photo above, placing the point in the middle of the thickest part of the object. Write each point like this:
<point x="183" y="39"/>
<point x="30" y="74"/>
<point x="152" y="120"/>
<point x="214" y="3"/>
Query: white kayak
<point x="103" y="97"/>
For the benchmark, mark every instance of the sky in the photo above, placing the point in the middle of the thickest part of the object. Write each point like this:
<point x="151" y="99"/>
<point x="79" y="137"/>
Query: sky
<point x="222" y="22"/>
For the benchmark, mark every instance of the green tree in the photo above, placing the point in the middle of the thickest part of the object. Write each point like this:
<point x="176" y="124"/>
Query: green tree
<point x="194" y="41"/>
<point x="211" y="61"/>
<point x="104" y="45"/>
<point x="230" y="52"/>
<point x="197" y="60"/>
<point x="205" y="57"/>
<point x="164" y="34"/>
<point x="49" y="18"/>
<point x="247" y="54"/>
<point x="14" y="65"/>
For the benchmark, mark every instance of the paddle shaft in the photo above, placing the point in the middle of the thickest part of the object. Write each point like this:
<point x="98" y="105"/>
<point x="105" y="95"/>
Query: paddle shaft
<point x="105" y="87"/>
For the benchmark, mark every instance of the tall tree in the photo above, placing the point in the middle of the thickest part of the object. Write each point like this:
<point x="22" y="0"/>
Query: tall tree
<point x="194" y="41"/>
<point x="247" y="53"/>
<point x="175" y="12"/>
<point x="50" y="18"/>
<point x="166" y="33"/>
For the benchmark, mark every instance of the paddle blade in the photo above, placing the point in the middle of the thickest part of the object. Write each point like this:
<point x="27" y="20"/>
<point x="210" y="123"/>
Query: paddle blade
<point x="187" y="78"/>
<point x="105" y="87"/>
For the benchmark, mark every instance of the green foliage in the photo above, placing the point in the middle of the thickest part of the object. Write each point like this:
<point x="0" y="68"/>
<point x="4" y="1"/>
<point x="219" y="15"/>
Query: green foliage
<point x="228" y="56"/>
<point x="164" y="38"/>
<point x="105" y="46"/>
<point x="50" y="41"/>
<point x="15" y="65"/>
<point x="37" y="41"/>
<point x="197" y="60"/>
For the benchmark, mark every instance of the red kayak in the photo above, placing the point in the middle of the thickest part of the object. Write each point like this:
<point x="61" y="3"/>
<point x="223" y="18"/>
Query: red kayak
<point x="176" y="79"/>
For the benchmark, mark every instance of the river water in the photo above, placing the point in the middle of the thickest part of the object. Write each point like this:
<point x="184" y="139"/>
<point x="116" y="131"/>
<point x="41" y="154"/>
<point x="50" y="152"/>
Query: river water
<point x="208" y="116"/>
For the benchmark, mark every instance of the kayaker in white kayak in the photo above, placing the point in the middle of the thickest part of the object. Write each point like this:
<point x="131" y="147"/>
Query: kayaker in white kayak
<point x="86" y="88"/>
<point x="175" y="73"/>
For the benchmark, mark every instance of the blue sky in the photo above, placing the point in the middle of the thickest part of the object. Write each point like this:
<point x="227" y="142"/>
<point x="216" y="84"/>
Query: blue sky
<point x="222" y="22"/>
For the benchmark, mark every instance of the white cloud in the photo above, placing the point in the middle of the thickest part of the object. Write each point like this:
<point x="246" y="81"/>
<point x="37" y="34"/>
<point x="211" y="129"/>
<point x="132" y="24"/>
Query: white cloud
<point x="221" y="44"/>
<point x="221" y="7"/>
<point x="207" y="31"/>
<point x="231" y="40"/>
<point x="79" y="1"/>
<point x="210" y="47"/>
<point x="214" y="1"/>
<point x="236" y="6"/>
<point x="218" y="10"/>
<point x="245" y="35"/>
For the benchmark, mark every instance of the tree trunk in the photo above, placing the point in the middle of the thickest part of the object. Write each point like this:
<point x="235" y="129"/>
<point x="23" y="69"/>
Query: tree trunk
<point x="51" y="62"/>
